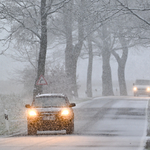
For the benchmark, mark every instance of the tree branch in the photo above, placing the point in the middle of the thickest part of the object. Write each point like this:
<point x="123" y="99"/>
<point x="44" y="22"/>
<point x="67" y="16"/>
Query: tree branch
<point x="127" y="8"/>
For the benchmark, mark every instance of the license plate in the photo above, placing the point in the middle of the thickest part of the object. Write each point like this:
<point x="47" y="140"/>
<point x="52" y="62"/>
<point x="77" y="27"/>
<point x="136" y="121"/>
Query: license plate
<point x="49" y="118"/>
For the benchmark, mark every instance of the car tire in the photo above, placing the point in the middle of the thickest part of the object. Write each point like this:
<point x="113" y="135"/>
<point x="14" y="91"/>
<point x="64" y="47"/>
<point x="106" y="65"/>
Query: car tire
<point x="32" y="129"/>
<point x="70" y="128"/>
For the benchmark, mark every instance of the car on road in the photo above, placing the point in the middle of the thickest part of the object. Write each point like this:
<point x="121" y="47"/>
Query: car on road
<point x="141" y="87"/>
<point x="50" y="112"/>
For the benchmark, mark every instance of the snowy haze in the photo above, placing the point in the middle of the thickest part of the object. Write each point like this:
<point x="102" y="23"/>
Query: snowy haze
<point x="137" y="67"/>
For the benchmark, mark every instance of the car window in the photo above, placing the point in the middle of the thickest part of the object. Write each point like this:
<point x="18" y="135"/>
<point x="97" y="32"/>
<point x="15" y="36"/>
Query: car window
<point x="49" y="102"/>
<point x="143" y="82"/>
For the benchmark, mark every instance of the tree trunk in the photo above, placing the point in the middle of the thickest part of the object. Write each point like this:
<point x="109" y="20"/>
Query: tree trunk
<point x="74" y="77"/>
<point x="121" y="79"/>
<point x="69" y="47"/>
<point x="43" y="47"/>
<point x="89" y="72"/>
<point x="106" y="75"/>
<point x="72" y="52"/>
<point x="107" y="88"/>
<point x="121" y="65"/>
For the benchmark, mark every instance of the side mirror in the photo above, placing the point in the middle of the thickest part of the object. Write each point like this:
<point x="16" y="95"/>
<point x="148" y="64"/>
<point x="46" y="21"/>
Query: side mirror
<point x="72" y="105"/>
<point x="27" y="106"/>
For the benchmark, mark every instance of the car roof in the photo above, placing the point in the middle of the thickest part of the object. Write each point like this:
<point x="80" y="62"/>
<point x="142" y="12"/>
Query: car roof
<point x="51" y="94"/>
<point x="142" y="80"/>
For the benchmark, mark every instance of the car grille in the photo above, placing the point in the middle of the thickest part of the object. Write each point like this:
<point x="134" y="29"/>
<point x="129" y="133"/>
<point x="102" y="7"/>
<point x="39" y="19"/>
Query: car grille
<point x="48" y="115"/>
<point x="142" y="89"/>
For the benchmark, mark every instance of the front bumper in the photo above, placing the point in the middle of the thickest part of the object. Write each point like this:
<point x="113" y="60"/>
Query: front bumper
<point x="141" y="92"/>
<point x="59" y="123"/>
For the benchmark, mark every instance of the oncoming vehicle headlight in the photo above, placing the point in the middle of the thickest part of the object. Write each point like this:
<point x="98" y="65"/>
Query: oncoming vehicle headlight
<point x="32" y="113"/>
<point x="148" y="89"/>
<point x="65" y="112"/>
<point x="135" y="89"/>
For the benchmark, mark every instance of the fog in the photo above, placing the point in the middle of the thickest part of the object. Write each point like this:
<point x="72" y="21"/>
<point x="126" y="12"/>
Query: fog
<point x="24" y="44"/>
<point x="137" y="67"/>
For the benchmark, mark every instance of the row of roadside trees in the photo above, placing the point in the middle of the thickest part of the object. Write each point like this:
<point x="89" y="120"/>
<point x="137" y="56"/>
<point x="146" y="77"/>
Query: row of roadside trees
<point x="71" y="28"/>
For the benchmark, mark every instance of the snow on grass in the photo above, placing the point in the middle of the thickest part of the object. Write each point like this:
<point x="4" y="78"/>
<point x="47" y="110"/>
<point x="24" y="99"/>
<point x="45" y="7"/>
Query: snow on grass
<point x="16" y="113"/>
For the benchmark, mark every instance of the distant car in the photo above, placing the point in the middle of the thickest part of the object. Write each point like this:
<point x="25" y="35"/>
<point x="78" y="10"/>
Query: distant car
<point x="141" y="87"/>
<point x="50" y="112"/>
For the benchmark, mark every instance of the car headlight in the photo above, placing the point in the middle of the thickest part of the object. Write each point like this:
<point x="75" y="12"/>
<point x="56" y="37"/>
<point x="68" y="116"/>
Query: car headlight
<point x="65" y="112"/>
<point x="32" y="113"/>
<point x="135" y="89"/>
<point x="148" y="89"/>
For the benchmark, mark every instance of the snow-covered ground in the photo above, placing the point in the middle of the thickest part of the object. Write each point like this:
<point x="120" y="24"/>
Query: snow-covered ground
<point x="106" y="123"/>
<point x="14" y="106"/>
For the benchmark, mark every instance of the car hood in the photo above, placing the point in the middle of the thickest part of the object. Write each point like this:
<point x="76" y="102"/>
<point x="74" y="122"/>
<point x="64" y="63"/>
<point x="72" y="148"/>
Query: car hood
<point x="142" y="86"/>
<point x="51" y="109"/>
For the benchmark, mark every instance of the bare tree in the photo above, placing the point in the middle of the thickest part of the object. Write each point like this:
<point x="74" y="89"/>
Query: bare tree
<point x="31" y="17"/>
<point x="128" y="28"/>
<point x="90" y="65"/>
<point x="43" y="46"/>
<point x="121" y="64"/>
<point x="106" y="75"/>
<point x="97" y="14"/>
<point x="72" y="51"/>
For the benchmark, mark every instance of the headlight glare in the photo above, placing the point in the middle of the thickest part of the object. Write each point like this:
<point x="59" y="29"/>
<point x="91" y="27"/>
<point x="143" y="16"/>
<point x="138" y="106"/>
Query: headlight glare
<point x="65" y="112"/>
<point x="135" y="89"/>
<point x="32" y="113"/>
<point x="148" y="89"/>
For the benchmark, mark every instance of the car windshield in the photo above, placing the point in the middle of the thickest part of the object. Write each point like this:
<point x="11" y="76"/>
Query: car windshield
<point x="48" y="101"/>
<point x="142" y="82"/>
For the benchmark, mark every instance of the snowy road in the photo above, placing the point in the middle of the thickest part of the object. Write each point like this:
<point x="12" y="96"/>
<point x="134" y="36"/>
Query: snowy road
<point x="103" y="123"/>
